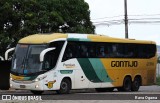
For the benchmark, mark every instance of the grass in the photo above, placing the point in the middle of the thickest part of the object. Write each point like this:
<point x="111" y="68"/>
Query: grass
<point x="158" y="81"/>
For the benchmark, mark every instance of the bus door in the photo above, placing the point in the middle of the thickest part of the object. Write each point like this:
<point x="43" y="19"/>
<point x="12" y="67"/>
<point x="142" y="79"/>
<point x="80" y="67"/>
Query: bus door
<point x="81" y="80"/>
<point x="95" y="73"/>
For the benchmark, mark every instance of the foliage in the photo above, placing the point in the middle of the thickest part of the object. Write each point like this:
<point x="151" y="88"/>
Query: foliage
<point x="19" y="18"/>
<point x="158" y="81"/>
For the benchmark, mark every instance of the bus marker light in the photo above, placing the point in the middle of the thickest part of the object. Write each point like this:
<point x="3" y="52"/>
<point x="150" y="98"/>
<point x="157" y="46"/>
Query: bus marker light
<point x="37" y="86"/>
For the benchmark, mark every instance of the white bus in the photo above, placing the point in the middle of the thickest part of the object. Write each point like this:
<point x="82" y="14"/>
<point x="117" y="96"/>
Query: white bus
<point x="62" y="62"/>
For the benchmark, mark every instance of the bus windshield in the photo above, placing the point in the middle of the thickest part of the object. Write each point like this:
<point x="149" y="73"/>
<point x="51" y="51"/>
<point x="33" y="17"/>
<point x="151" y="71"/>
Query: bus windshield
<point x="26" y="59"/>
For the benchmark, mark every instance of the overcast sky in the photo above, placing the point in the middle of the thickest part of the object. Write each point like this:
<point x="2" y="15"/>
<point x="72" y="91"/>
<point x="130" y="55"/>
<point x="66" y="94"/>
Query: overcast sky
<point x="109" y="10"/>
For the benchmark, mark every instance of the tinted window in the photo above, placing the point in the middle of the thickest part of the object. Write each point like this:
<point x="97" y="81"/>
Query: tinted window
<point x="51" y="57"/>
<point x="146" y="51"/>
<point x="108" y="50"/>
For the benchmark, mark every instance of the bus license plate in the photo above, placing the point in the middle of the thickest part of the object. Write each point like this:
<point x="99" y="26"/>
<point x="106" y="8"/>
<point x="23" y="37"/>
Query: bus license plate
<point x="22" y="86"/>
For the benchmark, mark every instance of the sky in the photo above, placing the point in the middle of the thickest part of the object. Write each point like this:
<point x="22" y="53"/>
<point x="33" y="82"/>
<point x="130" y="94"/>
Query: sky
<point x="141" y="15"/>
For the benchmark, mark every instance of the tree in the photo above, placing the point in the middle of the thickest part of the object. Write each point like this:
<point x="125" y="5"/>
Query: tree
<point x="19" y="18"/>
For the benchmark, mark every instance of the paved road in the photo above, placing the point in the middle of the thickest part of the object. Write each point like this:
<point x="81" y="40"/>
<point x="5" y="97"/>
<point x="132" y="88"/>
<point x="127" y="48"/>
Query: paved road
<point x="146" y="93"/>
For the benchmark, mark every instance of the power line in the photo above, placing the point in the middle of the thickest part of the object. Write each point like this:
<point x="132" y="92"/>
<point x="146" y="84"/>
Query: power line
<point x="138" y="19"/>
<point x="108" y="21"/>
<point x="128" y="16"/>
<point x="143" y="20"/>
<point x="146" y="15"/>
<point x="108" y="17"/>
<point x="133" y="21"/>
<point x="146" y="19"/>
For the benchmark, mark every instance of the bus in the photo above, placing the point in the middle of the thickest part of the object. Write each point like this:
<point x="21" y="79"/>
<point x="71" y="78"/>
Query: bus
<point x="62" y="62"/>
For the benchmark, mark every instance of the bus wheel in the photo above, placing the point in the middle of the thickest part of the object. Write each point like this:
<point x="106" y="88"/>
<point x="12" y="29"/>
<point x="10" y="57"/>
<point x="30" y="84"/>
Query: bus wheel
<point x="136" y="84"/>
<point x="126" y="85"/>
<point x="65" y="87"/>
<point x="37" y="92"/>
<point x="104" y="89"/>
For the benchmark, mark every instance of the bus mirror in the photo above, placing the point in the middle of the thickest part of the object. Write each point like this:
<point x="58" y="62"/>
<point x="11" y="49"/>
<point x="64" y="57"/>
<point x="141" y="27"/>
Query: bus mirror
<point x="7" y="52"/>
<point x="42" y="54"/>
<point x="1" y="58"/>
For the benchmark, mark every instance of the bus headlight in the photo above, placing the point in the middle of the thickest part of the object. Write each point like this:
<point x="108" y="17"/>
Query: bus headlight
<point x="11" y="78"/>
<point x="40" y="78"/>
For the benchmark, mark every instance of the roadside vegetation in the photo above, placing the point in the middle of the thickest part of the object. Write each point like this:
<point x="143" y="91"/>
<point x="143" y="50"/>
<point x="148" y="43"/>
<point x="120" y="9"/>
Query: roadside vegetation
<point x="158" y="81"/>
<point x="20" y="18"/>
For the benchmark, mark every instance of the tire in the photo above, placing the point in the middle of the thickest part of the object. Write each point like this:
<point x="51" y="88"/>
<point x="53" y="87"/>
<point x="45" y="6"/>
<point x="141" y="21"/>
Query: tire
<point x="37" y="92"/>
<point x="136" y="84"/>
<point x="65" y="87"/>
<point x="104" y="89"/>
<point x="126" y="85"/>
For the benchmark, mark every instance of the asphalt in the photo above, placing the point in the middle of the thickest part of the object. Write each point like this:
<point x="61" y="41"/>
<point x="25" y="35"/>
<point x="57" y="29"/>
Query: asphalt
<point x="151" y="94"/>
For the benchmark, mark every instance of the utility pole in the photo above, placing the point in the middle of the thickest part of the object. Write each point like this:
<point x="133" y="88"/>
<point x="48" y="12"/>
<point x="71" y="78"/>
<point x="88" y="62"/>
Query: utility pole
<point x="126" y="18"/>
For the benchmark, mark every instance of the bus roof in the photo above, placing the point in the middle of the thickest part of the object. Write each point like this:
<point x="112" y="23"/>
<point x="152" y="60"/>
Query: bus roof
<point x="46" y="38"/>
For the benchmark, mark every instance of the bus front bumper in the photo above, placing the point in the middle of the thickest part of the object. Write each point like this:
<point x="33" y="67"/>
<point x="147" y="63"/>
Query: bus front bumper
<point x="26" y="86"/>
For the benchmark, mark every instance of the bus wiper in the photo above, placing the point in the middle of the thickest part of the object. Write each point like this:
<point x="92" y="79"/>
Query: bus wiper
<point x="23" y="62"/>
<point x="27" y="65"/>
<point x="43" y="70"/>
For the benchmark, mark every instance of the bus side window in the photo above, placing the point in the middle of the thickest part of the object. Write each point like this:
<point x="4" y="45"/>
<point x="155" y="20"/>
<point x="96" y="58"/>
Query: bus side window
<point x="130" y="51"/>
<point x="151" y="50"/>
<point x="101" y="52"/>
<point x="84" y="51"/>
<point x="141" y="51"/>
<point x="50" y="60"/>
<point x="92" y="51"/>
<point x="113" y="51"/>
<point x="68" y="53"/>
<point x="71" y="51"/>
<point x="108" y="50"/>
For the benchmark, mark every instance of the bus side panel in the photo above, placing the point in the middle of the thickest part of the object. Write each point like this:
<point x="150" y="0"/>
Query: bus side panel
<point x="95" y="72"/>
<point x="88" y="73"/>
<point x="151" y="71"/>
<point x="71" y="68"/>
<point x="115" y="71"/>
<point x="119" y="68"/>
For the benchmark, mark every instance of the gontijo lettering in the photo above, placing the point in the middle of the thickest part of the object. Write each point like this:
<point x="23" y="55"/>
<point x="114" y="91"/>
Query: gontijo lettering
<point x="124" y="63"/>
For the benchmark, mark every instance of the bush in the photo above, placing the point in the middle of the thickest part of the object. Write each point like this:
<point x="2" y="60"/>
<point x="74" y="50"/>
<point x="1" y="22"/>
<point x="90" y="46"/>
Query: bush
<point x="158" y="81"/>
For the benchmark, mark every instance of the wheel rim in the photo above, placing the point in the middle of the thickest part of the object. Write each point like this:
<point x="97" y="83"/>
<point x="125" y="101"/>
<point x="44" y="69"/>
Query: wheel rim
<point x="64" y="86"/>
<point x="127" y="85"/>
<point x="137" y="84"/>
